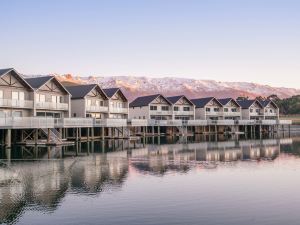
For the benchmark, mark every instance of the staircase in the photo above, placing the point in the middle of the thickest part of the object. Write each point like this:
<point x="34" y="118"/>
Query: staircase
<point x="126" y="131"/>
<point x="54" y="135"/>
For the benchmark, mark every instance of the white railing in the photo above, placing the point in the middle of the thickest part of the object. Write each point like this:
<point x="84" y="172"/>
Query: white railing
<point x="96" y="108"/>
<point x="118" y="110"/>
<point x="256" y="113"/>
<point x="221" y="122"/>
<point x="138" y="122"/>
<point x="165" y="122"/>
<point x="16" y="103"/>
<point x="52" y="105"/>
<point x="212" y="113"/>
<point x="246" y="122"/>
<point x="74" y="122"/>
<point x="155" y="112"/>
<point x="269" y="122"/>
<point x="27" y="122"/>
<point x="285" y="122"/>
<point x="270" y="114"/>
<point x="197" y="122"/>
<point x="232" y="114"/>
<point x="110" y="122"/>
<point x="184" y="113"/>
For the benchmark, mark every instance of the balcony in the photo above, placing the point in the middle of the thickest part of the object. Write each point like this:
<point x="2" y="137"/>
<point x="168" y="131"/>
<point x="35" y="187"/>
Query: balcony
<point x="183" y="113"/>
<point x="197" y="122"/>
<point x="156" y="112"/>
<point x="232" y="114"/>
<point x="213" y="113"/>
<point x="15" y="103"/>
<point x="221" y="122"/>
<point x="26" y="122"/>
<point x="52" y="105"/>
<point x="118" y="110"/>
<point x="96" y="108"/>
<point x="274" y="114"/>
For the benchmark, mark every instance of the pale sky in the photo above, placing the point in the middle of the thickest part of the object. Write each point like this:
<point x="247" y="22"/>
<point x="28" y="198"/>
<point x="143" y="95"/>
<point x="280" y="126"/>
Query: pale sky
<point x="226" y="40"/>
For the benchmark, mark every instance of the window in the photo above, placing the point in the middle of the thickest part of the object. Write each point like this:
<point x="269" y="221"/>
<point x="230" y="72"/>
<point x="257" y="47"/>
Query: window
<point x="251" y="110"/>
<point x="216" y="109"/>
<point x="101" y="103"/>
<point x="271" y="111"/>
<point x="97" y="103"/>
<point x="1" y="94"/>
<point x="176" y="108"/>
<point x="233" y="109"/>
<point x="186" y="108"/>
<point x="17" y="114"/>
<point x="257" y="110"/>
<point x="54" y="99"/>
<point x="88" y="102"/>
<point x="40" y="98"/>
<point x="153" y="107"/>
<point x="21" y="96"/>
<point x="165" y="108"/>
<point x="225" y="109"/>
<point x="15" y="95"/>
<point x="207" y="109"/>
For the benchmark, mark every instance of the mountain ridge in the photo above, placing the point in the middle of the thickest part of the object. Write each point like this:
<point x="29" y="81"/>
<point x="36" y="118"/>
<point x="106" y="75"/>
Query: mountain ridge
<point x="135" y="86"/>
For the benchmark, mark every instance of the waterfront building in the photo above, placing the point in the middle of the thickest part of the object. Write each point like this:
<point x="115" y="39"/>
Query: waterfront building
<point x="208" y="108"/>
<point x="183" y="108"/>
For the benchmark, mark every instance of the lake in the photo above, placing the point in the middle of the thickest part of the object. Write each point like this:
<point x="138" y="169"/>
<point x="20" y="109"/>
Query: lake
<point x="196" y="180"/>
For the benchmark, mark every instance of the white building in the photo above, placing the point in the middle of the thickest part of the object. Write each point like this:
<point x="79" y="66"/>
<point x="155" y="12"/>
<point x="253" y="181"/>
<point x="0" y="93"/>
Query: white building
<point x="183" y="108"/>
<point x="208" y="108"/>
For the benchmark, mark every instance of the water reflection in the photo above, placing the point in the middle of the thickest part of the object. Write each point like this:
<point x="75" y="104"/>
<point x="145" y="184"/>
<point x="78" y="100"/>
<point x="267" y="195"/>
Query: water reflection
<point x="39" y="178"/>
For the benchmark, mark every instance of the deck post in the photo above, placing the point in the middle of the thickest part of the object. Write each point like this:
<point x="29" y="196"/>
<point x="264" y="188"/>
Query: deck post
<point x="80" y="133"/>
<point x="48" y="135"/>
<point x="158" y="130"/>
<point x="152" y="130"/>
<point x="8" y="138"/>
<point x="88" y="133"/>
<point x="92" y="132"/>
<point x="102" y="133"/>
<point x="36" y="136"/>
<point x="77" y="133"/>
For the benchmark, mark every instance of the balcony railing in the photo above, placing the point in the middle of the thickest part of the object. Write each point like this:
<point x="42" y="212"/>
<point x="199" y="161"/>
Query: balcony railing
<point x="118" y="110"/>
<point x="95" y="108"/>
<point x="110" y="122"/>
<point x="221" y="122"/>
<point x="213" y="113"/>
<point x="15" y="103"/>
<point x="183" y="113"/>
<point x="197" y="122"/>
<point x="232" y="113"/>
<point x="52" y="105"/>
<point x="156" y="112"/>
<point x="26" y="122"/>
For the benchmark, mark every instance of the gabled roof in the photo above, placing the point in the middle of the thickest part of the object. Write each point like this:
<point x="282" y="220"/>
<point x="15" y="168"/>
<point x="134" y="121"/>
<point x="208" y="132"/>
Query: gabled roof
<point x="266" y="102"/>
<point x="37" y="82"/>
<point x="5" y="71"/>
<point x="247" y="103"/>
<point x="18" y="76"/>
<point x="146" y="100"/>
<point x="175" y="99"/>
<point x="225" y="101"/>
<point x="110" y="92"/>
<point x="80" y="91"/>
<point x="201" y="102"/>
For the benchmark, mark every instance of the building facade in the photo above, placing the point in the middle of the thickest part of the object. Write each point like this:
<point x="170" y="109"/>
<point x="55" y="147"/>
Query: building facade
<point x="183" y="108"/>
<point x="117" y="103"/>
<point x="208" y="108"/>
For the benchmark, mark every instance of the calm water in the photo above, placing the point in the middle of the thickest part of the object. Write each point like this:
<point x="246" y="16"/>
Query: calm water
<point x="165" y="181"/>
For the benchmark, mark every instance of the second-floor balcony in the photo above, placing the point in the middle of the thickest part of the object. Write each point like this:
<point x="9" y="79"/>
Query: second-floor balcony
<point x="160" y="112"/>
<point x="256" y="113"/>
<point x="118" y="110"/>
<point x="183" y="113"/>
<point x="52" y="105"/>
<point x="214" y="113"/>
<point x="15" y="103"/>
<point x="271" y="114"/>
<point x="96" y="108"/>
<point x="231" y="114"/>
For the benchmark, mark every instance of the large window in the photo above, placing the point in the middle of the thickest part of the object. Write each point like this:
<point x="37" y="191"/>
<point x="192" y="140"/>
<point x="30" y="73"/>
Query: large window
<point x="56" y="99"/>
<point x="41" y="98"/>
<point x="17" y="95"/>
<point x="176" y="108"/>
<point x="207" y="109"/>
<point x="186" y="108"/>
<point x="153" y="107"/>
<point x="216" y="109"/>
<point x="225" y="109"/>
<point x="165" y="108"/>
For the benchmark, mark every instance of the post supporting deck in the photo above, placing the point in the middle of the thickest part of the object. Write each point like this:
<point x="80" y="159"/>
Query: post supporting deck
<point x="8" y="138"/>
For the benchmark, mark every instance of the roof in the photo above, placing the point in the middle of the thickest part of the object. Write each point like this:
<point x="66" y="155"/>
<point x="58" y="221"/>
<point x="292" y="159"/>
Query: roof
<point x="266" y="102"/>
<point x="80" y="91"/>
<point x="175" y="99"/>
<point x="37" y="82"/>
<point x="146" y="100"/>
<point x="225" y="101"/>
<point x="5" y="71"/>
<point x="143" y="100"/>
<point x="245" y="104"/>
<point x="201" y="102"/>
<point x="18" y="76"/>
<point x="110" y="91"/>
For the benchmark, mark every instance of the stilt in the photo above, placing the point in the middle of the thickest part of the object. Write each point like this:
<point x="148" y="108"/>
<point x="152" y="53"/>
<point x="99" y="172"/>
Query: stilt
<point x="8" y="138"/>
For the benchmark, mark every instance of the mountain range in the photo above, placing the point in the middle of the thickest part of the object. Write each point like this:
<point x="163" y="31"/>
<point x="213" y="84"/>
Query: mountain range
<point x="168" y="86"/>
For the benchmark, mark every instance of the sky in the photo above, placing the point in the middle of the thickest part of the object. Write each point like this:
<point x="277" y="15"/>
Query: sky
<point x="225" y="40"/>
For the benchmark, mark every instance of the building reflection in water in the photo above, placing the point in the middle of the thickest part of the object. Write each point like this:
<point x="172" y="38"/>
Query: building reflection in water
<point x="38" y="178"/>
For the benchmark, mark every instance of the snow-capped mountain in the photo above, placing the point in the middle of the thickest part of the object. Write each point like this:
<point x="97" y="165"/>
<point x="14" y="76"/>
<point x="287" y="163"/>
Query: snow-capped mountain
<point x="138" y="86"/>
